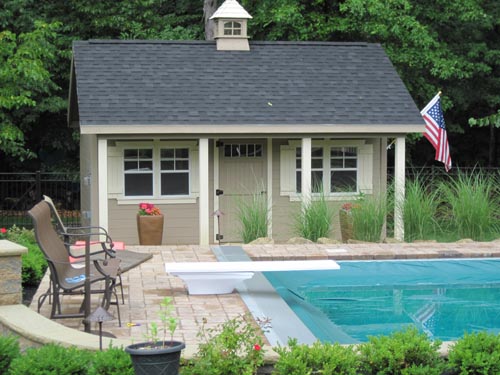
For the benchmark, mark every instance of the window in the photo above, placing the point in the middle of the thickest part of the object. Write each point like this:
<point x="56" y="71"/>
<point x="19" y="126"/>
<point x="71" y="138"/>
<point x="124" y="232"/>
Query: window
<point x="340" y="163"/>
<point x="316" y="169"/>
<point x="156" y="170"/>
<point x="246" y="150"/>
<point x="343" y="169"/>
<point x="138" y="170"/>
<point x="232" y="28"/>
<point x="174" y="171"/>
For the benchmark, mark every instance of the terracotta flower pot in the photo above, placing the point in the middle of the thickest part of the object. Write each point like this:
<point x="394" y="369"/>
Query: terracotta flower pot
<point x="150" y="229"/>
<point x="346" y="225"/>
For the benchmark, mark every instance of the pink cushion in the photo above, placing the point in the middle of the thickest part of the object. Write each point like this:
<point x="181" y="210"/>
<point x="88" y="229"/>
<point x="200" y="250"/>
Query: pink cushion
<point x="118" y="245"/>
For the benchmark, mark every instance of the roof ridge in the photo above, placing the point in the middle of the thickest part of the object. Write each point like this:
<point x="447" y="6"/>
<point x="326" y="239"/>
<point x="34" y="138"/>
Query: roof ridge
<point x="254" y="42"/>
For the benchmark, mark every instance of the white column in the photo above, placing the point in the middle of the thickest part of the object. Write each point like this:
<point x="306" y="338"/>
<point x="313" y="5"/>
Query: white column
<point x="399" y="188"/>
<point x="204" y="214"/>
<point x="270" y="187"/>
<point x="306" y="170"/>
<point x="215" y="187"/>
<point x="102" y="181"/>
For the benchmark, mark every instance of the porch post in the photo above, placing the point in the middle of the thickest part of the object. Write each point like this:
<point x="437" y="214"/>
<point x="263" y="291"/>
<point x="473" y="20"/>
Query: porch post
<point x="399" y="188"/>
<point x="102" y="181"/>
<point x="270" y="187"/>
<point x="215" y="197"/>
<point x="204" y="215"/>
<point x="306" y="170"/>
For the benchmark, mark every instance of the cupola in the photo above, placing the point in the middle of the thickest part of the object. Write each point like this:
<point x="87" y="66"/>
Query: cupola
<point x="231" y="27"/>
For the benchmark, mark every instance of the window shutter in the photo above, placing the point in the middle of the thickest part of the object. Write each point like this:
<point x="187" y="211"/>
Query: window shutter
<point x="365" y="159"/>
<point x="287" y="170"/>
<point x="194" y="171"/>
<point x="115" y="172"/>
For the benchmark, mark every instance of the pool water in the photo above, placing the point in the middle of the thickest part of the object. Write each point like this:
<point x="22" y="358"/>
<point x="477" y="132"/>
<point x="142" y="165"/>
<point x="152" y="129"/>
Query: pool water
<point x="442" y="298"/>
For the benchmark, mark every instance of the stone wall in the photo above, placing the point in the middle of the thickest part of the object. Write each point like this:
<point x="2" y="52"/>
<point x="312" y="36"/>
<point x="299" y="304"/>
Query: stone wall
<point x="11" y="290"/>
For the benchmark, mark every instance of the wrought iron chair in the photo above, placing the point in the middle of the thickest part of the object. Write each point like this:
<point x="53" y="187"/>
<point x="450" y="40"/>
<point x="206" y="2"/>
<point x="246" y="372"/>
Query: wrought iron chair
<point x="66" y="278"/>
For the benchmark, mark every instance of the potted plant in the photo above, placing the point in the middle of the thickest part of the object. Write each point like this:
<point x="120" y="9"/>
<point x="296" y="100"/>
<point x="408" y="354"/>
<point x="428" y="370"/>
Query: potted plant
<point x="158" y="356"/>
<point x="149" y="224"/>
<point x="346" y="221"/>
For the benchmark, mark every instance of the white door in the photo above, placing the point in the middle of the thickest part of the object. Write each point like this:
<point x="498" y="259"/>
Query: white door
<point x="242" y="174"/>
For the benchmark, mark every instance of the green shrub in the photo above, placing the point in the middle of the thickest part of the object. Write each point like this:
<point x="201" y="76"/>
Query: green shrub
<point x="477" y="353"/>
<point x="325" y="359"/>
<point x="470" y="206"/>
<point x="113" y="361"/>
<point x="34" y="264"/>
<point x="368" y="217"/>
<point x="419" y="209"/>
<point x="253" y="216"/>
<point x="314" y="219"/>
<point x="51" y="359"/>
<point x="232" y="348"/>
<point x="406" y="352"/>
<point x="9" y="350"/>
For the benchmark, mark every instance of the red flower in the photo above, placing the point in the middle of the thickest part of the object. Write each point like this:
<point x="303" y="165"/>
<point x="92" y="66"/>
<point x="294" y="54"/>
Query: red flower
<point x="148" y="209"/>
<point x="257" y="347"/>
<point x="3" y="230"/>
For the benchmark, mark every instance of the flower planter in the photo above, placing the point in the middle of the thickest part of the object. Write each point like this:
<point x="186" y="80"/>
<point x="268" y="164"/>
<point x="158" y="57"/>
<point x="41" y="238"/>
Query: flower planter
<point x="150" y="229"/>
<point x="149" y="359"/>
<point x="346" y="225"/>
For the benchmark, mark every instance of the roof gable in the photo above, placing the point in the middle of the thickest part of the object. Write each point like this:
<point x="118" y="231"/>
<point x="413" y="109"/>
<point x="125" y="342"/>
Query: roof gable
<point x="276" y="83"/>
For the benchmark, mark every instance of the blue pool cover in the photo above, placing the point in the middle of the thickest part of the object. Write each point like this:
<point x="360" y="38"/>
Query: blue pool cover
<point x="443" y="298"/>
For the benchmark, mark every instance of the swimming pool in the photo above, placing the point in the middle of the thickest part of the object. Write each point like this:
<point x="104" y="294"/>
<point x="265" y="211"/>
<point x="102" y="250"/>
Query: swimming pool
<point x="443" y="298"/>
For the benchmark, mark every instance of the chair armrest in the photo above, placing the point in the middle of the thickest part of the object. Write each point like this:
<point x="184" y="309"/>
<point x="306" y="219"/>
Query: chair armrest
<point x="108" y="251"/>
<point x="107" y="267"/>
<point x="87" y="228"/>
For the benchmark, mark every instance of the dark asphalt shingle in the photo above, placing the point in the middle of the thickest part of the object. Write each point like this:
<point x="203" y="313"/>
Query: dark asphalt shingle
<point x="169" y="83"/>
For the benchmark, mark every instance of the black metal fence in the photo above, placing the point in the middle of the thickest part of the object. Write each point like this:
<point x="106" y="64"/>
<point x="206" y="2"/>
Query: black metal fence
<point x="21" y="191"/>
<point x="438" y="172"/>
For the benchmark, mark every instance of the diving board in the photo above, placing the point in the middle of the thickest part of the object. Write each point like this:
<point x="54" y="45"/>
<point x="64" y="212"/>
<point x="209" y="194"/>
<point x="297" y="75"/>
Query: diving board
<point x="222" y="277"/>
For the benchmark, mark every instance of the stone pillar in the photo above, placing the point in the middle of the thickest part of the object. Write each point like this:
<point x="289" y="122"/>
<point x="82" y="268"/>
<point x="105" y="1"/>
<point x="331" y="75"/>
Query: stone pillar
<point x="11" y="290"/>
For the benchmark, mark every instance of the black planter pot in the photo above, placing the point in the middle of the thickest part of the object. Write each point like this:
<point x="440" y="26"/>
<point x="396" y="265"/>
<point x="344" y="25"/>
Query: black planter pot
<point x="156" y="360"/>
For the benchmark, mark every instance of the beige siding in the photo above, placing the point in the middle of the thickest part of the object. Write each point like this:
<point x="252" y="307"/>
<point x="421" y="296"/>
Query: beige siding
<point x="88" y="179"/>
<point x="180" y="225"/>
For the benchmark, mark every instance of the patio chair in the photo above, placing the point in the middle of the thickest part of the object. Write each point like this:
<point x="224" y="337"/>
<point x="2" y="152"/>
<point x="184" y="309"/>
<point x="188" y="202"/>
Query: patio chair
<point x="103" y="245"/>
<point x="67" y="279"/>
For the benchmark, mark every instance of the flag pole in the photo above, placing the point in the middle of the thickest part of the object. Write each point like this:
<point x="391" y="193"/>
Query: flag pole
<point x="439" y="93"/>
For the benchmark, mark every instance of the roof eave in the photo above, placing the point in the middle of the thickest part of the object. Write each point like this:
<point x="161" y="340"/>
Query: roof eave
<point x="246" y="129"/>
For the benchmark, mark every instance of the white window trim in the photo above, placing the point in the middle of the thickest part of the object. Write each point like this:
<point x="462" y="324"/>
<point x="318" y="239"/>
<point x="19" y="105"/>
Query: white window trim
<point x="327" y="144"/>
<point x="156" y="198"/>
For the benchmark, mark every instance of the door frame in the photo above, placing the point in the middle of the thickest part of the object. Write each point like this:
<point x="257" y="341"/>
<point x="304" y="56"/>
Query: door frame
<point x="268" y="146"/>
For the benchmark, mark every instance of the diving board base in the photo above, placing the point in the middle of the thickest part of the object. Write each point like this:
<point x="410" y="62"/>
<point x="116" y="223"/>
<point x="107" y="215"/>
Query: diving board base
<point x="212" y="283"/>
<point x="223" y="277"/>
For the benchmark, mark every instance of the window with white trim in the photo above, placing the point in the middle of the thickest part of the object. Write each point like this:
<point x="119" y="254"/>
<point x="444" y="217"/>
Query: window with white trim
<point x="338" y="167"/>
<point x="316" y="169"/>
<point x="243" y="150"/>
<point x="161" y="170"/>
<point x="174" y="171"/>
<point x="138" y="171"/>
<point x="232" y="28"/>
<point x="343" y="169"/>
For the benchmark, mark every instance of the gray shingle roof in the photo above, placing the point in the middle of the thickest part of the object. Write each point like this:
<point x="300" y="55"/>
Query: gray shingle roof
<point x="167" y="83"/>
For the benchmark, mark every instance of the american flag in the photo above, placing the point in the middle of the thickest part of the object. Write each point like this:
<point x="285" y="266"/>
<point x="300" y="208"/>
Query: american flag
<point x="435" y="131"/>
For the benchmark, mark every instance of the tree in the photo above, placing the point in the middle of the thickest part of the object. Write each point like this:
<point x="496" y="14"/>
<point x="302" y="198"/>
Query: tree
<point x="209" y="8"/>
<point x="25" y="84"/>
